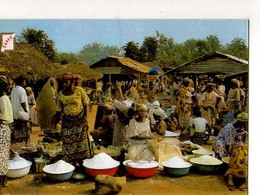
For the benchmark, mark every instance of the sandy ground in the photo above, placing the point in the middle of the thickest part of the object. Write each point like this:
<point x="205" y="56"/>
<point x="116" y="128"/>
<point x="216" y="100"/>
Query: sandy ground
<point x="160" y="183"/>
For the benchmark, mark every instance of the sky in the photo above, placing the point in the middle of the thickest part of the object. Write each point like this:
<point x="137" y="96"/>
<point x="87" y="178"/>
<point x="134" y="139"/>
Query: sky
<point x="73" y="35"/>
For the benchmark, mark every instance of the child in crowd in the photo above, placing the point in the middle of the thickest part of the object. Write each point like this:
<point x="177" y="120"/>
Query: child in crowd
<point x="198" y="126"/>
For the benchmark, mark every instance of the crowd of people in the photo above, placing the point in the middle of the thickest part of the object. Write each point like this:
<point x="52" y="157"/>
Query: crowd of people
<point x="135" y="116"/>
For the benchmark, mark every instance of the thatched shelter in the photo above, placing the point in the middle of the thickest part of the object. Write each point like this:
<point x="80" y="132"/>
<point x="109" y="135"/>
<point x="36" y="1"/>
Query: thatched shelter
<point x="80" y="68"/>
<point x="212" y="64"/>
<point x="120" y="68"/>
<point x="26" y="60"/>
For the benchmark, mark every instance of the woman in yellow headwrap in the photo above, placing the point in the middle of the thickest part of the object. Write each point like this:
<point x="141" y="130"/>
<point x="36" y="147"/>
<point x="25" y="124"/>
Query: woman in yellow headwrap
<point x="72" y="102"/>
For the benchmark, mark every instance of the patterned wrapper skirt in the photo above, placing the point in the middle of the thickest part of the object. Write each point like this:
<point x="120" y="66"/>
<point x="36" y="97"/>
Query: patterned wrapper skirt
<point x="76" y="145"/>
<point x="20" y="130"/>
<point x="5" y="138"/>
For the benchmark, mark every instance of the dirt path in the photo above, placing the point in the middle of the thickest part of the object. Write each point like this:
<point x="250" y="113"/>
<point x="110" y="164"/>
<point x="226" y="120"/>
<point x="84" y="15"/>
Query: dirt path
<point x="158" y="184"/>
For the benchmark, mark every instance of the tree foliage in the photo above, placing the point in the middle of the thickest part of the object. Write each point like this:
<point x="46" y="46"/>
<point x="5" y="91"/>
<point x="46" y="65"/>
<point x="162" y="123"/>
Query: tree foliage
<point x="213" y="42"/>
<point x="132" y="50"/>
<point x="238" y="48"/>
<point x="165" y="52"/>
<point x="148" y="49"/>
<point x="91" y="53"/>
<point x="66" y="57"/>
<point x="40" y="41"/>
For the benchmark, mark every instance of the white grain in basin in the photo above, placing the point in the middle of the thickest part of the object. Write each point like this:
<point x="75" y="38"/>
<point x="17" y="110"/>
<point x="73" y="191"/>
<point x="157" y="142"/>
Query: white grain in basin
<point x="60" y="167"/>
<point x="206" y="160"/>
<point x="101" y="161"/>
<point x="176" y="162"/>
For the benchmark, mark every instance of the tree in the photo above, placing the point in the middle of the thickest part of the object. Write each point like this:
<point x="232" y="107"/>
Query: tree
<point x="168" y="53"/>
<point x="237" y="48"/>
<point x="65" y="57"/>
<point x="94" y="52"/>
<point x="40" y="41"/>
<point x="213" y="42"/>
<point x="202" y="47"/>
<point x="132" y="50"/>
<point x="189" y="49"/>
<point x="149" y="48"/>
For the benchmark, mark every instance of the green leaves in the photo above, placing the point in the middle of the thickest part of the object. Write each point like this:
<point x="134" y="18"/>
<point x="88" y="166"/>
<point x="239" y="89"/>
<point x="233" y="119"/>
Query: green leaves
<point x="40" y="41"/>
<point x="91" y="53"/>
<point x="165" y="52"/>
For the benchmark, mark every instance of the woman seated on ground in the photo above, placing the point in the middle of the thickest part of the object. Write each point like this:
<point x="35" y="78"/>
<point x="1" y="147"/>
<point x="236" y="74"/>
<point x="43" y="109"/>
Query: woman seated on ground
<point x="140" y="137"/>
<point x="228" y="134"/>
<point x="238" y="164"/>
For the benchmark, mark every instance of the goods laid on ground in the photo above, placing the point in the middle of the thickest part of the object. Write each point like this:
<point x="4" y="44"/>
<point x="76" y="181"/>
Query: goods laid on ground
<point x="201" y="152"/>
<point x="206" y="160"/>
<point x="18" y="167"/>
<point x="51" y="149"/>
<point x="141" y="169"/>
<point x="101" y="164"/>
<point x="101" y="161"/>
<point x="59" y="171"/>
<point x="176" y="167"/>
<point x="206" y="164"/>
<point x="187" y="147"/>
<point x="59" y="167"/>
<point x="176" y="162"/>
<point x="171" y="134"/>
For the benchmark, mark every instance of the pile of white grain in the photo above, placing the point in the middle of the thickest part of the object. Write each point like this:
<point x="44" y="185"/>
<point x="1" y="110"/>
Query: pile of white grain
<point x="206" y="160"/>
<point x="101" y="161"/>
<point x="59" y="167"/>
<point x="18" y="163"/>
<point x="176" y="162"/>
<point x="141" y="164"/>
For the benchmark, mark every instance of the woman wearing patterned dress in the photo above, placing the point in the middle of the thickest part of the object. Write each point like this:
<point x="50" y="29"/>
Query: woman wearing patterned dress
<point x="6" y="117"/>
<point x="228" y="134"/>
<point x="72" y="102"/>
<point x="184" y="102"/>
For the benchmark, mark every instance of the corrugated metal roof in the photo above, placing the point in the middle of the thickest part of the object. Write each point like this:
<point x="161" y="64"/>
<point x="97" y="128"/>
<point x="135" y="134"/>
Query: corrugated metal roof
<point x="215" y="63"/>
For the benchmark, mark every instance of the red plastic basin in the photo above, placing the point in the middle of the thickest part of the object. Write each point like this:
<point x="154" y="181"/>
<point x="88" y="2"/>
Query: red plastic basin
<point x="95" y="172"/>
<point x="140" y="172"/>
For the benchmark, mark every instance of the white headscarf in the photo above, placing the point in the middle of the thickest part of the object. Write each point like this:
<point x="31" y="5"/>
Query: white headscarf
<point x="157" y="110"/>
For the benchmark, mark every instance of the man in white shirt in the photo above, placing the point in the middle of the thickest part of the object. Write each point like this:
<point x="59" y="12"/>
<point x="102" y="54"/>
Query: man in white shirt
<point x="20" y="107"/>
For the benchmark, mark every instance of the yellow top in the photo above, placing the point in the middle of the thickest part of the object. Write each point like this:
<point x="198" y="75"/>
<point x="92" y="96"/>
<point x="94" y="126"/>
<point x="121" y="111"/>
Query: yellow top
<point x="73" y="104"/>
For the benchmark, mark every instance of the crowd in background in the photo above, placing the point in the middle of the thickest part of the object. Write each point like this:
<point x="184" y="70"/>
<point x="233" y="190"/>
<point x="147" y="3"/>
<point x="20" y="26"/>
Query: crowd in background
<point x="134" y="115"/>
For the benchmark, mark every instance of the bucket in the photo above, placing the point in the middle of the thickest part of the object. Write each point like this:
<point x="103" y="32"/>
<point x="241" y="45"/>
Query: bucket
<point x="40" y="163"/>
